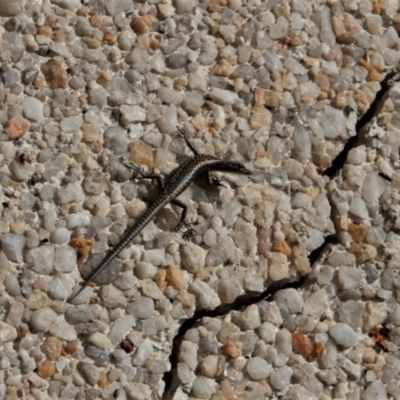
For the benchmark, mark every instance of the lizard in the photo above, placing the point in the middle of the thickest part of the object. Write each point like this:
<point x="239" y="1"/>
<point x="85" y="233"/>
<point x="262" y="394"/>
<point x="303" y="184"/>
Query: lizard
<point x="183" y="176"/>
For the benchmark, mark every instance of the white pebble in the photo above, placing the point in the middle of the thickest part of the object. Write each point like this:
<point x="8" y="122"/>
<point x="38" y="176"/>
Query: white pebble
<point x="12" y="285"/>
<point x="155" y="256"/>
<point x="42" y="319"/>
<point x="7" y="333"/>
<point x="64" y="331"/>
<point x="65" y="258"/>
<point x="33" y="108"/>
<point x="142" y="353"/>
<point x="100" y="340"/>
<point x="60" y="236"/>
<point x="210" y="237"/>
<point x="12" y="245"/>
<point x="258" y="368"/>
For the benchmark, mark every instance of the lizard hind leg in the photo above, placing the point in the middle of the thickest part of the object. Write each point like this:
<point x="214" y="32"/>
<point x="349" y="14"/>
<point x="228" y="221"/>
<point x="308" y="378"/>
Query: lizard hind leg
<point x="189" y="232"/>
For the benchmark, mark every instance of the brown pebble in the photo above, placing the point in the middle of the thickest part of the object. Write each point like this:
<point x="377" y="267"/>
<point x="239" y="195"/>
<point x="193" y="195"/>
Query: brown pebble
<point x="148" y="19"/>
<point x="223" y="68"/>
<point x="354" y="248"/>
<point x="282" y="247"/>
<point x="259" y="97"/>
<point x="271" y="98"/>
<point x="109" y="38"/>
<point x="16" y="127"/>
<point x="83" y="246"/>
<point x="52" y="347"/>
<point x="372" y="72"/>
<point x="44" y="30"/>
<point x="357" y="232"/>
<point x="95" y="21"/>
<point x="361" y="100"/>
<point x="175" y="277"/>
<point x="376" y="7"/>
<point x="46" y="369"/>
<point x="103" y="379"/>
<point x="296" y="41"/>
<point x="39" y="82"/>
<point x="230" y="349"/>
<point x="141" y="154"/>
<point x="154" y="43"/>
<point x="180" y="83"/>
<point x="71" y="346"/>
<point x="160" y="279"/>
<point x="92" y="43"/>
<point x="55" y="74"/>
<point x="227" y="390"/>
<point x="127" y="345"/>
<point x="138" y="24"/>
<point x="187" y="299"/>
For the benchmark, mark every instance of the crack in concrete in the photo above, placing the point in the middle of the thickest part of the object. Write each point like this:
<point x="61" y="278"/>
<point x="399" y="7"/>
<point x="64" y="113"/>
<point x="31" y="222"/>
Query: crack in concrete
<point x="171" y="382"/>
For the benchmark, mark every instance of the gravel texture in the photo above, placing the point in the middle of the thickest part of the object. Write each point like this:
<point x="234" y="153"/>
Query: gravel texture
<point x="86" y="86"/>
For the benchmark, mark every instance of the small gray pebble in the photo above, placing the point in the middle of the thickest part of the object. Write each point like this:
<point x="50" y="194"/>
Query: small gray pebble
<point x="343" y="335"/>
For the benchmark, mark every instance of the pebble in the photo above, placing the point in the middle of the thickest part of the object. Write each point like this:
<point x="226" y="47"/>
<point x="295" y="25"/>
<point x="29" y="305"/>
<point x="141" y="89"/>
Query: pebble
<point x="206" y="297"/>
<point x="100" y="340"/>
<point x="12" y="246"/>
<point x="249" y="319"/>
<point x="141" y="308"/>
<point x="12" y="285"/>
<point x="280" y="378"/>
<point x="52" y="348"/>
<point x="139" y="391"/>
<point x="375" y="391"/>
<point x="188" y="354"/>
<point x="203" y="388"/>
<point x="142" y="353"/>
<point x="41" y="259"/>
<point x="316" y="304"/>
<point x="169" y="96"/>
<point x="101" y="358"/>
<point x="7" y="333"/>
<point x="223" y="97"/>
<point x="349" y="278"/>
<point x="155" y="257"/>
<point x="193" y="257"/>
<point x="41" y="320"/>
<point x="120" y="328"/>
<point x="60" y="236"/>
<point x="55" y="165"/>
<point x="116" y="139"/>
<point x="16" y="128"/>
<point x="60" y="288"/>
<point x="65" y="258"/>
<point x="176" y="61"/>
<point x="132" y="114"/>
<point x="55" y="74"/>
<point x="289" y="301"/>
<point x="71" y="124"/>
<point x="283" y="342"/>
<point x="258" y="368"/>
<point x="90" y="372"/>
<point x="209" y="366"/>
<point x="8" y="9"/>
<point x="33" y="108"/>
<point x="46" y="369"/>
<point x="343" y="335"/>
